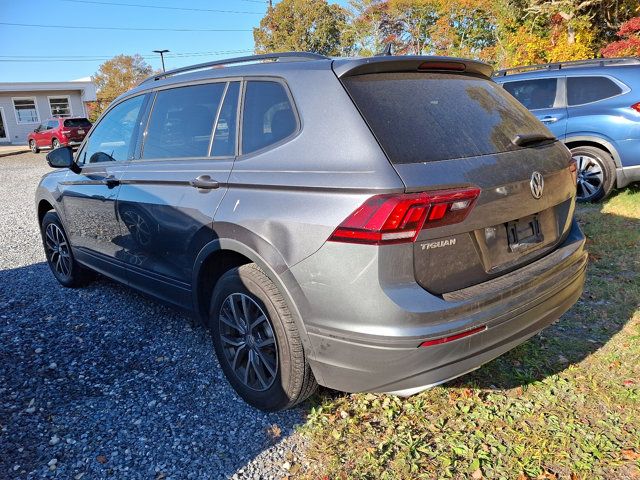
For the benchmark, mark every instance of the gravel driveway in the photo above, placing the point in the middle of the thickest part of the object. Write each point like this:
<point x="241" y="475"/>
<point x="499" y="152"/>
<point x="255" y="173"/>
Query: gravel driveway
<point x="101" y="382"/>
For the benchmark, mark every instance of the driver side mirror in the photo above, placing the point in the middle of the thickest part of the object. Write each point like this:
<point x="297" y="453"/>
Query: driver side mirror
<point x="62" y="157"/>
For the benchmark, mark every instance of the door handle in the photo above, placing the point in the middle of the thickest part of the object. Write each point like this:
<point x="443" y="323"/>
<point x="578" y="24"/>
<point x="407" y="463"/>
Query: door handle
<point x="204" y="182"/>
<point x="549" y="119"/>
<point x="111" y="181"/>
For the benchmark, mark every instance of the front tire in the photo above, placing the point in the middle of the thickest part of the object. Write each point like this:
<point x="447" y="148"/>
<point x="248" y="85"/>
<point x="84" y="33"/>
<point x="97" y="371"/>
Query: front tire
<point x="34" y="146"/>
<point x="257" y="342"/>
<point x="596" y="173"/>
<point x="60" y="258"/>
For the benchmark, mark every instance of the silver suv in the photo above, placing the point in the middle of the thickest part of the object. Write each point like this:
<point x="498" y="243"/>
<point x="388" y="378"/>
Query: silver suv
<point x="374" y="224"/>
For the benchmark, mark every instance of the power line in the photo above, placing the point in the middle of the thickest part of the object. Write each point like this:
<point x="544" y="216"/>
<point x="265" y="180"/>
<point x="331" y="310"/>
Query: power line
<point x="98" y="57"/>
<point x="23" y="59"/>
<point x="162" y="7"/>
<point x="145" y="29"/>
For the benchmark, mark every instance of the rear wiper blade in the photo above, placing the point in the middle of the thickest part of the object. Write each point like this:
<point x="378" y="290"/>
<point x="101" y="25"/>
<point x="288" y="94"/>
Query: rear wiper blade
<point x="529" y="139"/>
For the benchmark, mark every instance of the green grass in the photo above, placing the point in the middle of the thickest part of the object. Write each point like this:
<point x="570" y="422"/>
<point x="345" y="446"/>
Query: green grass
<point x="565" y="404"/>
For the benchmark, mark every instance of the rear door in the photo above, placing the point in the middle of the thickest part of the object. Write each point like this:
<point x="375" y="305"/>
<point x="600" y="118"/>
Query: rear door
<point x="450" y="130"/>
<point x="170" y="193"/>
<point x="545" y="98"/>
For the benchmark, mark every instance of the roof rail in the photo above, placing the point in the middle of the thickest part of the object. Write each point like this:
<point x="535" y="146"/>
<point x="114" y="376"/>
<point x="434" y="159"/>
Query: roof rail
<point x="276" y="57"/>
<point x="601" y="62"/>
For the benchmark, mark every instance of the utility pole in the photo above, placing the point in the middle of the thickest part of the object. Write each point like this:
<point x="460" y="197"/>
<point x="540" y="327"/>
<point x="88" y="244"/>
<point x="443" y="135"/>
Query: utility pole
<point x="161" y="52"/>
<point x="270" y="3"/>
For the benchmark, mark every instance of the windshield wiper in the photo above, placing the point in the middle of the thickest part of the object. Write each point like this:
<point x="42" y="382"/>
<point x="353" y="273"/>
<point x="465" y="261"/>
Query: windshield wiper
<point x="530" y="139"/>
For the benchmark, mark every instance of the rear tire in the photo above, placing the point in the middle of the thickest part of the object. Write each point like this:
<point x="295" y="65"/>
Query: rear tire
<point x="257" y="342"/>
<point x="34" y="146"/>
<point x="55" y="143"/>
<point x="596" y="173"/>
<point x="60" y="258"/>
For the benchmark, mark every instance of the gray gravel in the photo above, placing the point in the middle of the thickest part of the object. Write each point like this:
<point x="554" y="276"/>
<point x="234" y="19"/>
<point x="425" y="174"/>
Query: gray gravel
<point x="100" y="382"/>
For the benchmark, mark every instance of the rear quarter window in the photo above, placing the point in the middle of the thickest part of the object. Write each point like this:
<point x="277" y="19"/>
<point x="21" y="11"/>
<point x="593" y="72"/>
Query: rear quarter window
<point x="268" y="115"/>
<point x="581" y="90"/>
<point x="422" y="117"/>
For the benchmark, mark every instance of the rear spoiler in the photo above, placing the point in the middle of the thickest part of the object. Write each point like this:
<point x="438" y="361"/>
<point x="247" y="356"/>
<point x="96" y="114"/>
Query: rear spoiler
<point x="409" y="63"/>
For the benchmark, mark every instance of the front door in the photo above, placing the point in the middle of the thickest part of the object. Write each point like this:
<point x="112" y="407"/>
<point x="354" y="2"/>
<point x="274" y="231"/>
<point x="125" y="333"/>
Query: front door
<point x="4" y="133"/>
<point x="46" y="136"/>
<point x="169" y="195"/>
<point x="89" y="197"/>
<point x="545" y="98"/>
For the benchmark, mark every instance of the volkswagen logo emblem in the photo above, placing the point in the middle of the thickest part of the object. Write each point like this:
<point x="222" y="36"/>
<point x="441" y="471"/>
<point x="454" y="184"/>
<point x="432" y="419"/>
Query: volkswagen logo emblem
<point x="536" y="184"/>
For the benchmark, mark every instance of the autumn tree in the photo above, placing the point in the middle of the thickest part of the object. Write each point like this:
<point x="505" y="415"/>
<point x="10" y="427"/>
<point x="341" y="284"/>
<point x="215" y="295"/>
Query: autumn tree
<point x="629" y="43"/>
<point x="116" y="76"/>
<point x="303" y="25"/>
<point x="539" y="31"/>
<point x="460" y="27"/>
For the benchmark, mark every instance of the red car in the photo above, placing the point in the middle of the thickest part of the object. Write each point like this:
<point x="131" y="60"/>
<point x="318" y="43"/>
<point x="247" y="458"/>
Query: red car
<point x="58" y="132"/>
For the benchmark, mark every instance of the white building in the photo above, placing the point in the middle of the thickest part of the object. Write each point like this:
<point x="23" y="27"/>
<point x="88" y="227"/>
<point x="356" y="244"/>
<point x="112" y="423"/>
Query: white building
<point x="25" y="105"/>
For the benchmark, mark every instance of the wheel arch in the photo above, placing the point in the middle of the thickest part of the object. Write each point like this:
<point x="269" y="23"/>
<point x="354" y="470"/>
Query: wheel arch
<point x="597" y="142"/>
<point x="44" y="206"/>
<point x="221" y="254"/>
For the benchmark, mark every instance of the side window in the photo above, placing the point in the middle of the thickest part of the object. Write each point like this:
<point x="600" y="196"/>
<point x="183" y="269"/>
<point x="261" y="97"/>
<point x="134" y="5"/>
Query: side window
<point x="52" y="124"/>
<point x="111" y="138"/>
<point x="268" y="115"/>
<point x="582" y="90"/>
<point x="534" y="94"/>
<point x="182" y="120"/>
<point x="224" y="139"/>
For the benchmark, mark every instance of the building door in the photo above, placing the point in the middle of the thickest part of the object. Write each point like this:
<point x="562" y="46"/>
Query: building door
<point x="4" y="134"/>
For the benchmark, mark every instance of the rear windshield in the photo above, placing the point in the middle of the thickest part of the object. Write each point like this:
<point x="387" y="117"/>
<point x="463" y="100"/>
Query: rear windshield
<point x="423" y="117"/>
<point x="77" y="122"/>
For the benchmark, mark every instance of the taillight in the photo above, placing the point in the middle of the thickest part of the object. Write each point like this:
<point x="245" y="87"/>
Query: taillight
<point x="636" y="107"/>
<point x="573" y="169"/>
<point x="398" y="218"/>
<point x="66" y="132"/>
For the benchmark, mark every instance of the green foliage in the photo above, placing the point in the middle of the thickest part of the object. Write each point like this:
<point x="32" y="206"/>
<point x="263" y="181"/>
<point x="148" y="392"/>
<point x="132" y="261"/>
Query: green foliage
<point x="116" y="76"/>
<point x="304" y="26"/>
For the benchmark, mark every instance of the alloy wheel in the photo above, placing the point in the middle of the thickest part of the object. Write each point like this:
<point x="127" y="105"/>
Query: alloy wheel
<point x="248" y="341"/>
<point x="58" y="250"/>
<point x="590" y="176"/>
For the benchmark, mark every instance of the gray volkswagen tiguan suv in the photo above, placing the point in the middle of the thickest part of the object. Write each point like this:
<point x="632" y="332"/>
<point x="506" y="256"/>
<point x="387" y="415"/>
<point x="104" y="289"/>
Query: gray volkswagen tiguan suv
<point x="373" y="224"/>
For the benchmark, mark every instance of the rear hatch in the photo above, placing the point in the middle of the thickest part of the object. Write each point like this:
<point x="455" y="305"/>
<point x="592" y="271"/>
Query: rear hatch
<point x="75" y="129"/>
<point x="446" y="125"/>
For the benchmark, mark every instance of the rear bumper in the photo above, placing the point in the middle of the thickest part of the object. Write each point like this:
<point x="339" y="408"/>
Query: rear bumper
<point x="349" y="355"/>
<point x="627" y="175"/>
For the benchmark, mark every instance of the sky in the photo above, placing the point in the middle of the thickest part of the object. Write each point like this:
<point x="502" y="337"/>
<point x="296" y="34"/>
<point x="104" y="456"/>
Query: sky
<point x="105" y="28"/>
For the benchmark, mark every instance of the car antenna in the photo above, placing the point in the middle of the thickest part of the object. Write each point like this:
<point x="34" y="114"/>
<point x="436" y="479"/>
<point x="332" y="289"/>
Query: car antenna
<point x="387" y="50"/>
